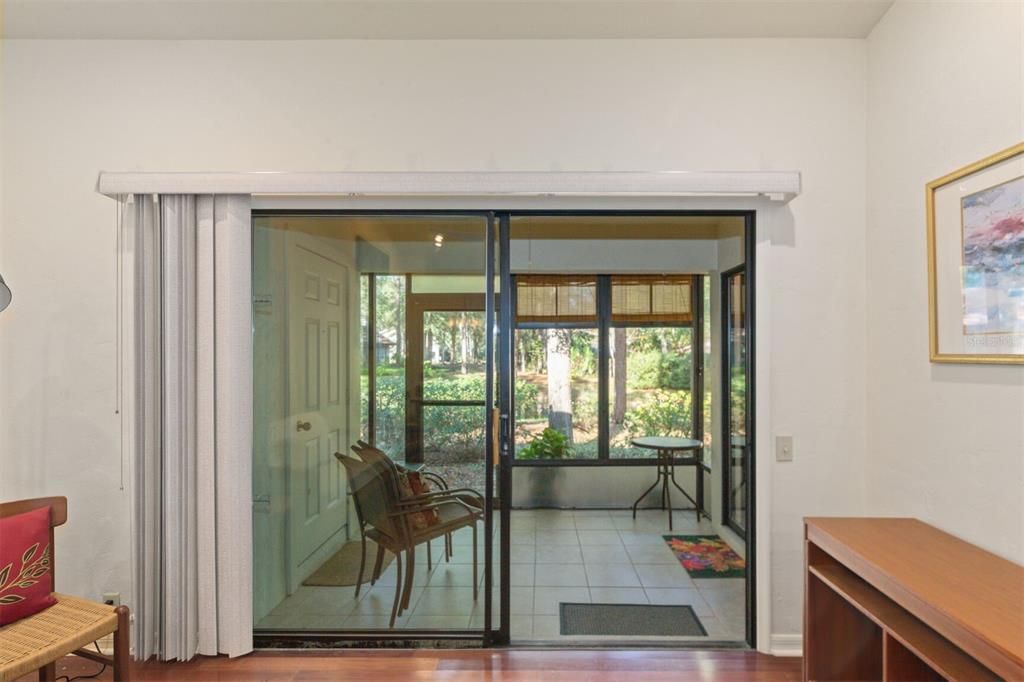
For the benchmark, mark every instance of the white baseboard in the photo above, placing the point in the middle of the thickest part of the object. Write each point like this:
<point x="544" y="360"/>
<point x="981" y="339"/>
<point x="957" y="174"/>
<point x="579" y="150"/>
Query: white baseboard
<point x="787" y="645"/>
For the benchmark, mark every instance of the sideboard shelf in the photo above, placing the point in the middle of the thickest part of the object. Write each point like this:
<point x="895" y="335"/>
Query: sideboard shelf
<point x="888" y="599"/>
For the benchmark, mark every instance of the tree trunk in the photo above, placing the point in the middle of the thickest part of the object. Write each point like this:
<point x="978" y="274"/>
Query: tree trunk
<point x="619" y="352"/>
<point x="559" y="382"/>
<point x="400" y="326"/>
<point x="464" y="342"/>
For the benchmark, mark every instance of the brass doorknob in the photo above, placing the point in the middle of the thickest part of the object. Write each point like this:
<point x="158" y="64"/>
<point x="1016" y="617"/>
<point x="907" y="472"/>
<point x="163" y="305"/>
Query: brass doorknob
<point x="303" y="426"/>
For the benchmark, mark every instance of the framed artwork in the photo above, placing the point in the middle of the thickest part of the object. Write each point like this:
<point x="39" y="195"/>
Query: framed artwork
<point x="976" y="261"/>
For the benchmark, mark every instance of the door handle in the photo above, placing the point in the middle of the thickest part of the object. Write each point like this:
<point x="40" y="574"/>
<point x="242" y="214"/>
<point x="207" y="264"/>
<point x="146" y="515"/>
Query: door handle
<point x="303" y="426"/>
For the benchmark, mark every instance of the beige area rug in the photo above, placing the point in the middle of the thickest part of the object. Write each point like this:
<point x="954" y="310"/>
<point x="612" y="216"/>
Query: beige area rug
<point x="343" y="568"/>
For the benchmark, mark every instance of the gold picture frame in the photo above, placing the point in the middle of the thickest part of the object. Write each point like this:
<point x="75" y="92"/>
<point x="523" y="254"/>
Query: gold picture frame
<point x="940" y="279"/>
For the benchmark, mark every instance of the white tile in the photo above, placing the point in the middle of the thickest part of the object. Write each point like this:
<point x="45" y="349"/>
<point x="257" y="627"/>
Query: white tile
<point x="597" y="537"/>
<point x="733" y="586"/>
<point x="523" y="537"/>
<point x="663" y="575"/>
<point x="640" y="538"/>
<point x="612" y="575"/>
<point x="618" y="595"/>
<point x="556" y="537"/>
<point x="272" y="621"/>
<point x="463" y="554"/>
<point x="445" y="601"/>
<point x="679" y="596"/>
<point x="604" y="554"/>
<point x="455" y="575"/>
<point x="547" y="599"/>
<point x="522" y="554"/>
<point x="546" y="627"/>
<point x="521" y="601"/>
<point x="562" y="521"/>
<point x="520" y="627"/>
<point x="594" y="521"/>
<point x="520" y="575"/>
<point x="560" y="575"/>
<point x="437" y="622"/>
<point x="463" y="536"/>
<point x="373" y="622"/>
<point x="379" y="600"/>
<point x="651" y="554"/>
<point x="718" y="629"/>
<point x="726" y="596"/>
<point x="556" y="554"/>
<point x="628" y="523"/>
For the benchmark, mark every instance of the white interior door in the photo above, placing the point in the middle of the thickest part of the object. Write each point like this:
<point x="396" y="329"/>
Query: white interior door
<point x="318" y="349"/>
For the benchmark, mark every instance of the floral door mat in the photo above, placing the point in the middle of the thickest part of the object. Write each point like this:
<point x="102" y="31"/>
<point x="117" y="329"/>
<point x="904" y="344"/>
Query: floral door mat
<point x="706" y="556"/>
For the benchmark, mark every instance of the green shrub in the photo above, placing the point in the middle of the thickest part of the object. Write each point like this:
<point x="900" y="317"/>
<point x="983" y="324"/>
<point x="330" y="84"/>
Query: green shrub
<point x="643" y="370"/>
<point x="668" y="413"/>
<point x="654" y="369"/>
<point x="528" y="401"/>
<point x="675" y="372"/>
<point x="549" y="444"/>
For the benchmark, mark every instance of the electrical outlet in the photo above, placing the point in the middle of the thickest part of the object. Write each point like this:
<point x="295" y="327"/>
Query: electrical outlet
<point x="784" y="448"/>
<point x="112" y="598"/>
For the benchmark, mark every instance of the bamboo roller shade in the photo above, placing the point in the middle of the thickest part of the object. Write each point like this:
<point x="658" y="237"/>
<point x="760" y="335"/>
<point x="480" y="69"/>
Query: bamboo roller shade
<point x="635" y="298"/>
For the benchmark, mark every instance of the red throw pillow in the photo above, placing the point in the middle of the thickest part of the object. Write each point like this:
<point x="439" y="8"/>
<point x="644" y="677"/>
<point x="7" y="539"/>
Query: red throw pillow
<point x="26" y="579"/>
<point x="410" y="484"/>
<point x="421" y="487"/>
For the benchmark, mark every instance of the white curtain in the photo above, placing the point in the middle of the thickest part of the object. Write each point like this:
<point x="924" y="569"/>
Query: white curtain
<point x="187" y="314"/>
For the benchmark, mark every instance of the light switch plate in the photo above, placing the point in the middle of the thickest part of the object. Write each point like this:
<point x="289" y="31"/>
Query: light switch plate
<point x="784" y="448"/>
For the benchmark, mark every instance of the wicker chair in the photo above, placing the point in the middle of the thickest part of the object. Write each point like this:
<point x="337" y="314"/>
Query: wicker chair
<point x="36" y="642"/>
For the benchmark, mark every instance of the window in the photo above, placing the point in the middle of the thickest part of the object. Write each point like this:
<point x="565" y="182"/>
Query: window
<point x="602" y="359"/>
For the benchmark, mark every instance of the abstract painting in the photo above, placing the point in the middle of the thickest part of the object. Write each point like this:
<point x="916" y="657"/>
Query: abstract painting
<point x="993" y="259"/>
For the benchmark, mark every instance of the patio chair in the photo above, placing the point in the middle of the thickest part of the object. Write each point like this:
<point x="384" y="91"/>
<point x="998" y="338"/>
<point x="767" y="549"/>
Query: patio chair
<point x="473" y="499"/>
<point x="383" y="507"/>
<point x="370" y="497"/>
<point x="36" y="642"/>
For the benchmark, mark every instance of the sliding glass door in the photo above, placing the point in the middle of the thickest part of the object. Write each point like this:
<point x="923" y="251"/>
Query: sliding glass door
<point x="374" y="341"/>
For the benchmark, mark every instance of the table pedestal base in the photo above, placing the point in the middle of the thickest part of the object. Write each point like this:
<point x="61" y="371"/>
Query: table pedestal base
<point x="666" y="475"/>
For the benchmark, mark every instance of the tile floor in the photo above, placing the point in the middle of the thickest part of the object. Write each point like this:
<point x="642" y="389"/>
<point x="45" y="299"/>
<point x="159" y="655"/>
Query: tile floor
<point x="556" y="556"/>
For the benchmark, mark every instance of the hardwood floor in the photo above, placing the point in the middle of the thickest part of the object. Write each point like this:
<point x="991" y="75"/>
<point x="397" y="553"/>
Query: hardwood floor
<point x="506" y="665"/>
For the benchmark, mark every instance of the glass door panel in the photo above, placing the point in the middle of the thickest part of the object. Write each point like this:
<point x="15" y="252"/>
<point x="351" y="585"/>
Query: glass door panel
<point x="735" y="380"/>
<point x="351" y="349"/>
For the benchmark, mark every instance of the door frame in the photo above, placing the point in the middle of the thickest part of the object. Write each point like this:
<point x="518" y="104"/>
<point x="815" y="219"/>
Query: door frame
<point x="497" y="246"/>
<point x="506" y="393"/>
<point x="416" y="305"/>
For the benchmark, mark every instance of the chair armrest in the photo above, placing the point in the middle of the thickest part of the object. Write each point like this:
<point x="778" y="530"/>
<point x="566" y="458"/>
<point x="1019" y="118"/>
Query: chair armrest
<point x="449" y="493"/>
<point x="427" y="506"/>
<point x="436" y="478"/>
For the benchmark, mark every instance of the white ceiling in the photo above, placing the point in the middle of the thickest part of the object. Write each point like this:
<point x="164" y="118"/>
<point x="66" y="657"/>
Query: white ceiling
<point x="438" y="19"/>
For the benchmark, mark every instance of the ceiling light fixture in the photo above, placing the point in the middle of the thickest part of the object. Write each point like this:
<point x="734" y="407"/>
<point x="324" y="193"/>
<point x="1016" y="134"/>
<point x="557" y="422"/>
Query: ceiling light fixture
<point x="439" y="240"/>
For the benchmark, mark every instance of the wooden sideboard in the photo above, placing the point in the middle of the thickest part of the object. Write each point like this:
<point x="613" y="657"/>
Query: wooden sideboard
<point x="897" y="599"/>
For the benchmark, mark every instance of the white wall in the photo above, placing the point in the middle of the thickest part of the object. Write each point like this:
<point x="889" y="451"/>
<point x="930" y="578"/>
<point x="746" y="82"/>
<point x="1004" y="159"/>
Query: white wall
<point x="72" y="108"/>
<point x="945" y="442"/>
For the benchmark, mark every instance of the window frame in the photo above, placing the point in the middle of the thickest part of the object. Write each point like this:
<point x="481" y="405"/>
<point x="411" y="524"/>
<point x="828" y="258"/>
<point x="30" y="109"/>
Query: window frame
<point x="603" y="324"/>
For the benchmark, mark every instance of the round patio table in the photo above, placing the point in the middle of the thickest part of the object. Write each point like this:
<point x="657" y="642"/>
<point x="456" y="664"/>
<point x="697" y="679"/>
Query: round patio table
<point x="667" y="447"/>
